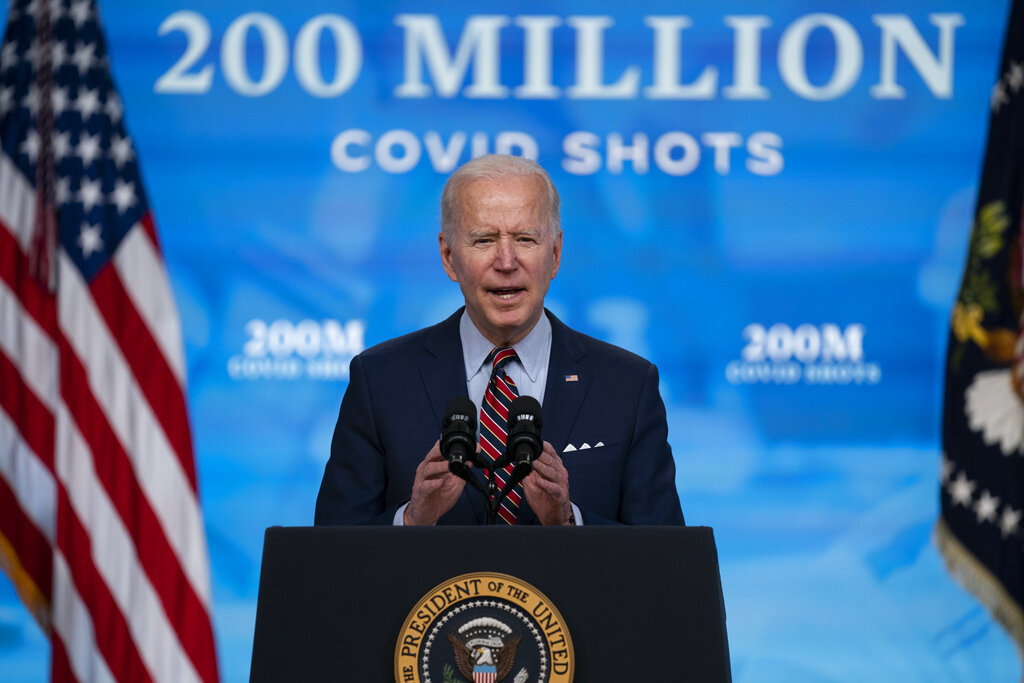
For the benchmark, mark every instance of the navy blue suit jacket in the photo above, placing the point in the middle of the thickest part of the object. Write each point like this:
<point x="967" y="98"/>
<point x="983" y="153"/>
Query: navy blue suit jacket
<point x="392" y="410"/>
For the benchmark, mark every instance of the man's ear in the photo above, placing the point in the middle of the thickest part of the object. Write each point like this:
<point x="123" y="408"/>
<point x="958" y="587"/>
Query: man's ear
<point x="447" y="257"/>
<point x="558" y="255"/>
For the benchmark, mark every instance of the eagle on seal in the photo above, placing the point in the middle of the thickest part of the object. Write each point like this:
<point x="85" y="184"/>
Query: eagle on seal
<point x="484" y="657"/>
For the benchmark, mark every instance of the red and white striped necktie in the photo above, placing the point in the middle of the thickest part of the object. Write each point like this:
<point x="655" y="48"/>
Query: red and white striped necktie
<point x="501" y="391"/>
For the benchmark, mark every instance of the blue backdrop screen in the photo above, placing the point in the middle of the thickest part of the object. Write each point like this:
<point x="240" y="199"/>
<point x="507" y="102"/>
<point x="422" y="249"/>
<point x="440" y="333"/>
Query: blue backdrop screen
<point x="770" y="202"/>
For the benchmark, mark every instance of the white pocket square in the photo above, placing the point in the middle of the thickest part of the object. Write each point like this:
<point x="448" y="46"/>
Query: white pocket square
<point x="585" y="446"/>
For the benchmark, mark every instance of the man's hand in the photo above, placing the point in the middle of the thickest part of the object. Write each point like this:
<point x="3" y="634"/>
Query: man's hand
<point x="434" y="490"/>
<point x="547" y="488"/>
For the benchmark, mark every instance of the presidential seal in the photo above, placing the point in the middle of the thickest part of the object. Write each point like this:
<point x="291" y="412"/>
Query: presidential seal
<point x="484" y="628"/>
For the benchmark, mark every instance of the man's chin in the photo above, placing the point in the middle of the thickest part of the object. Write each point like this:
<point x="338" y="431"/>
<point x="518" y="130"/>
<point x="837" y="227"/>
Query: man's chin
<point x="508" y="328"/>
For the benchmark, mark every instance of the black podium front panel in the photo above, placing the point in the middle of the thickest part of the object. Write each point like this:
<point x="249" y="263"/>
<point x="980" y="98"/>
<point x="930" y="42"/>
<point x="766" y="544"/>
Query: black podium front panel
<point x="640" y="603"/>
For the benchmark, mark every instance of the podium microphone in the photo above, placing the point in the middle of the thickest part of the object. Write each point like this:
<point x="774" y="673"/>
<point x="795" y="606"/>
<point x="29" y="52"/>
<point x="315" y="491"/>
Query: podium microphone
<point x="458" y="435"/>
<point x="524" y="443"/>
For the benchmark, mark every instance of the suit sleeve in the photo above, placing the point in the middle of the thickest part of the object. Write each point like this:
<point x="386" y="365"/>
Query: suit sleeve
<point x="648" y="492"/>
<point x="355" y="478"/>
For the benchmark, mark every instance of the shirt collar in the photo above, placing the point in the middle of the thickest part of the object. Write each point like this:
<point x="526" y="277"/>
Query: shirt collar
<point x="531" y="349"/>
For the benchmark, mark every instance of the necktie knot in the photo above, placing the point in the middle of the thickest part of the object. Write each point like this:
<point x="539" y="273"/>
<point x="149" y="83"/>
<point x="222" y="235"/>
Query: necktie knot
<point x="502" y="356"/>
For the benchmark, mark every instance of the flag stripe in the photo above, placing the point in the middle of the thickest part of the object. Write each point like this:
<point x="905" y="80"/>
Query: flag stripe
<point x="31" y="480"/>
<point x="17" y="202"/>
<point x="115" y="646"/>
<point x="60" y="667"/>
<point x="27" y="414"/>
<point x="146" y="362"/>
<point x="43" y="361"/>
<point x="75" y="632"/>
<point x="25" y="316"/>
<point x="100" y="446"/>
<point x="25" y="555"/>
<point x="116" y="562"/>
<point x="144" y="276"/>
<point x="158" y="470"/>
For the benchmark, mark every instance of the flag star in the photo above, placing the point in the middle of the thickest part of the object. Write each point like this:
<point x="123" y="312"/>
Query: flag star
<point x="32" y="8"/>
<point x="90" y="193"/>
<point x="113" y="107"/>
<point x="84" y="57"/>
<point x="90" y="240"/>
<point x="60" y="54"/>
<point x="947" y="469"/>
<point x="61" y="145"/>
<point x="59" y="99"/>
<point x="87" y="103"/>
<point x="33" y="53"/>
<point x="1010" y="521"/>
<point x="1015" y="77"/>
<point x="88" y="149"/>
<point x="121" y="150"/>
<point x="6" y="99"/>
<point x="986" y="507"/>
<point x="999" y="97"/>
<point x="80" y="12"/>
<point x="9" y="54"/>
<point x="62" y="190"/>
<point x="124" y="195"/>
<point x="57" y="9"/>
<point x="31" y="145"/>
<point x="31" y="100"/>
<point x="962" y="490"/>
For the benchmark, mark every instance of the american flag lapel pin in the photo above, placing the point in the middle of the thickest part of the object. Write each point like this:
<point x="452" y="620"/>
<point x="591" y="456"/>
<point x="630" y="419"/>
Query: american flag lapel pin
<point x="572" y="378"/>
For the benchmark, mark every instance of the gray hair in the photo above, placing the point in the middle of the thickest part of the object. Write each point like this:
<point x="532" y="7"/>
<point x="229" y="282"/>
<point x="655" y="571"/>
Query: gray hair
<point x="496" y="167"/>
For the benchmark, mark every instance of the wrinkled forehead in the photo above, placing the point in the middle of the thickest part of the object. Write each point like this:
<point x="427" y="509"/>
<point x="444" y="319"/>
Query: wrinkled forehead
<point x="520" y="199"/>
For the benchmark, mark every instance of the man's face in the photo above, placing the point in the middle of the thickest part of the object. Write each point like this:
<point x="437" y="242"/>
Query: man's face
<point x="503" y="256"/>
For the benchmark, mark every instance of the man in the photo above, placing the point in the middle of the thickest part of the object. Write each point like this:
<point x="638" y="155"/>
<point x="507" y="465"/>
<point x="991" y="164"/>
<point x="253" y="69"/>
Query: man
<point x="605" y="458"/>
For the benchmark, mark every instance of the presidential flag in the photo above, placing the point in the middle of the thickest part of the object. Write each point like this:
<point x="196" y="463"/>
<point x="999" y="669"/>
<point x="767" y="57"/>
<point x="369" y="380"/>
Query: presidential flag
<point x="980" y="530"/>
<point x="100" y="524"/>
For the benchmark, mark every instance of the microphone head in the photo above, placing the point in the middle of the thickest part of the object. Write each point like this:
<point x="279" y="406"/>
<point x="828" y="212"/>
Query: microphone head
<point x="459" y="409"/>
<point x="524" y="442"/>
<point x="525" y="408"/>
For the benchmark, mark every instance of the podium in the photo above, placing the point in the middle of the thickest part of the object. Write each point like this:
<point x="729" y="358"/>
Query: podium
<point x="638" y="603"/>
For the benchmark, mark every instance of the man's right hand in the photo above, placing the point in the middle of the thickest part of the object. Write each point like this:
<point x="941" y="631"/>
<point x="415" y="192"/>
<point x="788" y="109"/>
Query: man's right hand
<point x="434" y="490"/>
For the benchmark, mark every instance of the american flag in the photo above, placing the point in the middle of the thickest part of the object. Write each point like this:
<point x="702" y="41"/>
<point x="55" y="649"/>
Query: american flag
<point x="100" y="525"/>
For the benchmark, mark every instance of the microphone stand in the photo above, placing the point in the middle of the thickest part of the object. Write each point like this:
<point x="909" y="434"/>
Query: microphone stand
<point x="492" y="494"/>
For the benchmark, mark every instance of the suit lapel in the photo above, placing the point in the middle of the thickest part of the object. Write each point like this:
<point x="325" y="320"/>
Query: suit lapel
<point x="444" y="371"/>
<point x="444" y="377"/>
<point x="567" y="384"/>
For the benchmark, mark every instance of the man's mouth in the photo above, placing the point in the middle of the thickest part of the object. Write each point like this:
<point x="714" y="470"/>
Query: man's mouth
<point x="506" y="292"/>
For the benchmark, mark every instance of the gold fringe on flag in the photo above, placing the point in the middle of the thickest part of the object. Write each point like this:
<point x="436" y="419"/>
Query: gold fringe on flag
<point x="980" y="583"/>
<point x="27" y="589"/>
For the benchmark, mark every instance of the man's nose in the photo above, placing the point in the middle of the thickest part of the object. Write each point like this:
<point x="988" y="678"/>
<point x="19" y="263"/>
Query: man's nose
<point x="505" y="258"/>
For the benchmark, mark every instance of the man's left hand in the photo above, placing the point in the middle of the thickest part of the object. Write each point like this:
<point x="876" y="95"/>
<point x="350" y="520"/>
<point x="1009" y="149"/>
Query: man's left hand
<point x="547" y="488"/>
